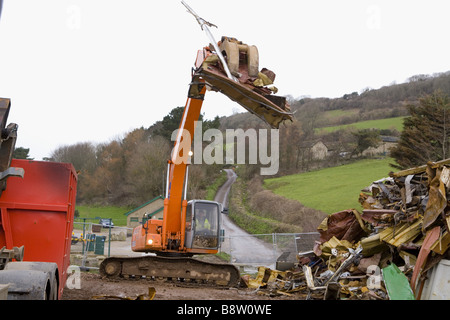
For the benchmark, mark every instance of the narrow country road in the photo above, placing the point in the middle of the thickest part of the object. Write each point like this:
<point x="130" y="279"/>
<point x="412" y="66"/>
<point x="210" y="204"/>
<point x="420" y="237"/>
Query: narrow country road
<point x="243" y="247"/>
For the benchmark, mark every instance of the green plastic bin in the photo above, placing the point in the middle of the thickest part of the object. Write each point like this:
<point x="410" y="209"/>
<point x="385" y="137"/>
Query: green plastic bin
<point x="100" y="245"/>
<point x="90" y="241"/>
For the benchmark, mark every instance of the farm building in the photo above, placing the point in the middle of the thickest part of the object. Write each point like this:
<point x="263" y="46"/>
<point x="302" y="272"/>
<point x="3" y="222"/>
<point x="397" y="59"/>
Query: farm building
<point x="313" y="150"/>
<point x="153" y="209"/>
<point x="387" y="142"/>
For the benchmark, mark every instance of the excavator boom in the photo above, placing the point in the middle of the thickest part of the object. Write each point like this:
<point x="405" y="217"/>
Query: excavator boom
<point x="246" y="89"/>
<point x="230" y="67"/>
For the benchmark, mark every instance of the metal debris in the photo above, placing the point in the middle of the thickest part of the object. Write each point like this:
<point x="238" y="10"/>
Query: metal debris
<point x="385" y="252"/>
<point x="149" y="296"/>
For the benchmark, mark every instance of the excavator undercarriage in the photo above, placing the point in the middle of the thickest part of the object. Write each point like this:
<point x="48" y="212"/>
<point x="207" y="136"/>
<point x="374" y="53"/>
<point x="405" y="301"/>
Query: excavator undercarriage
<point x="171" y="268"/>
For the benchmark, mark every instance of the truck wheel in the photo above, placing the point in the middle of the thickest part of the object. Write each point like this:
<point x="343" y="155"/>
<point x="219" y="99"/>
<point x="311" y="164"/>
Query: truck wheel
<point x="53" y="289"/>
<point x="31" y="280"/>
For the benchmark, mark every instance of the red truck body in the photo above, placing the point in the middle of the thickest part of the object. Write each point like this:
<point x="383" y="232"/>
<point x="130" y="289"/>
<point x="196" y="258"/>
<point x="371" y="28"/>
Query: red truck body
<point x="37" y="212"/>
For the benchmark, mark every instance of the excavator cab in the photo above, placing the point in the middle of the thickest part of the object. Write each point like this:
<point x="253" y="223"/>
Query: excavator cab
<point x="203" y="223"/>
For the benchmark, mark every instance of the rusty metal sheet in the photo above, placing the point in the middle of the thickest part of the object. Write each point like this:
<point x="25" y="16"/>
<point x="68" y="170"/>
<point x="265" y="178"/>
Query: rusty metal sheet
<point x="430" y="239"/>
<point x="437" y="200"/>
<point x="378" y="217"/>
<point x="343" y="225"/>
<point x="442" y="244"/>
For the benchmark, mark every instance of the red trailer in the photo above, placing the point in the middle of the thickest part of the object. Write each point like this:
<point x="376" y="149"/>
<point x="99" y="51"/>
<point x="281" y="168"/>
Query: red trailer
<point x="36" y="222"/>
<point x="37" y="204"/>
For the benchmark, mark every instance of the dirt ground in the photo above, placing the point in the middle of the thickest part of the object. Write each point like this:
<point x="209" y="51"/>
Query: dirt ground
<point x="94" y="287"/>
<point x="92" y="284"/>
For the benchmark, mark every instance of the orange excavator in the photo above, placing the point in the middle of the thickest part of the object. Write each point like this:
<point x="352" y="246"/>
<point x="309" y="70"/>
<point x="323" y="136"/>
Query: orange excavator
<point x="194" y="227"/>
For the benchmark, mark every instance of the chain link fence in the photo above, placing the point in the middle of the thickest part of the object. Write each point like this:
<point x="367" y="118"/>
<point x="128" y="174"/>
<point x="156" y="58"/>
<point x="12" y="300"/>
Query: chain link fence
<point x="91" y="243"/>
<point x="275" y="251"/>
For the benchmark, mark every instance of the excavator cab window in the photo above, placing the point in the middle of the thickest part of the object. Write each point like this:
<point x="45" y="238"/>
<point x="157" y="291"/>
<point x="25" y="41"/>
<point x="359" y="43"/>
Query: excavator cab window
<point x="189" y="217"/>
<point x="206" y="225"/>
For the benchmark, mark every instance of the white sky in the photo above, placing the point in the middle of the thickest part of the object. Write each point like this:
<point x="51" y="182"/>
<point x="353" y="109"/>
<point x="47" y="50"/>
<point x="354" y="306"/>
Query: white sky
<point x="92" y="70"/>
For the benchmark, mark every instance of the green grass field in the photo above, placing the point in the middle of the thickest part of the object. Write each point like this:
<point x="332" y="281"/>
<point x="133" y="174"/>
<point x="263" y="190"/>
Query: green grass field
<point x="388" y="123"/>
<point x="117" y="214"/>
<point x="332" y="189"/>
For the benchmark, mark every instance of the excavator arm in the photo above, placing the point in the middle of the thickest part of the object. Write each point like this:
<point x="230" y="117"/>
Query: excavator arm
<point x="174" y="223"/>
<point x="245" y="87"/>
<point x="230" y="67"/>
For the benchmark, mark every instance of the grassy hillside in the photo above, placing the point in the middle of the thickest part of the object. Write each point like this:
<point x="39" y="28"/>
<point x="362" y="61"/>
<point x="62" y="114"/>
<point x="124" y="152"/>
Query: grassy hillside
<point x="331" y="189"/>
<point x="117" y="214"/>
<point x="388" y="123"/>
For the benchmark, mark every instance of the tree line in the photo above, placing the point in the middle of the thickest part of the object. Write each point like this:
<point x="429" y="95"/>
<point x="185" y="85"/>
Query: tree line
<point x="395" y="100"/>
<point x="129" y="170"/>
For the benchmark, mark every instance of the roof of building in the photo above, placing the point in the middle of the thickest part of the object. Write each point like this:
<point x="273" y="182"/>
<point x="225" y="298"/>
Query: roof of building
<point x="389" y="139"/>
<point x="155" y="212"/>
<point x="311" y="143"/>
<point x="145" y="204"/>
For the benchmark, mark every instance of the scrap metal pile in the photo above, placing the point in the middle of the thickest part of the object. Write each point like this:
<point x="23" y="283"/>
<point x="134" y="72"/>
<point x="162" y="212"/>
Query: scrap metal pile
<point x="385" y="252"/>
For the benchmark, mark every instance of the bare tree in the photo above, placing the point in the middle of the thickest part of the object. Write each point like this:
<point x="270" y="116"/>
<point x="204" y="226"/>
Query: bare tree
<point x="145" y="170"/>
<point x="82" y="155"/>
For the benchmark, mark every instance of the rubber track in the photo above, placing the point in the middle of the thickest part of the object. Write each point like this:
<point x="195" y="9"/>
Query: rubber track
<point x="181" y="268"/>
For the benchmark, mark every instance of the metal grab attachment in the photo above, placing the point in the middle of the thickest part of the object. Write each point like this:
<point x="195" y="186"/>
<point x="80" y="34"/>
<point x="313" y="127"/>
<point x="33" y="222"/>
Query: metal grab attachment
<point x="204" y="25"/>
<point x="233" y="49"/>
<point x="231" y="67"/>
